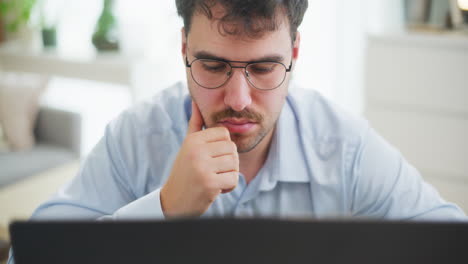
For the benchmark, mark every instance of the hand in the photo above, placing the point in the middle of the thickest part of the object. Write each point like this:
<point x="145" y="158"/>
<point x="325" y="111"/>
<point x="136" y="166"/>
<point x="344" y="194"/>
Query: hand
<point x="207" y="164"/>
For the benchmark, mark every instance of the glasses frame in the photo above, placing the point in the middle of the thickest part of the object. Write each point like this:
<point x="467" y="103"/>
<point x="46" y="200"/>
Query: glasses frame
<point x="247" y="63"/>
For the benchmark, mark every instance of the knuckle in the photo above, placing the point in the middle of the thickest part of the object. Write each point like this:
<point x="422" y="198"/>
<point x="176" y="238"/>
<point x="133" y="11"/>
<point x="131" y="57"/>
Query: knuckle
<point x="224" y="132"/>
<point x="233" y="158"/>
<point x="233" y="147"/>
<point x="234" y="179"/>
<point x="214" y="130"/>
<point x="229" y="160"/>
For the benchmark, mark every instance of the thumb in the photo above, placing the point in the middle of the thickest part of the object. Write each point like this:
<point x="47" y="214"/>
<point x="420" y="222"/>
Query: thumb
<point x="196" y="120"/>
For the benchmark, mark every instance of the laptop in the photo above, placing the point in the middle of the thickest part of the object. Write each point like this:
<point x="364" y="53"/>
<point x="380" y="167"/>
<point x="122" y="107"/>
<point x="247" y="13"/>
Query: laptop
<point x="239" y="241"/>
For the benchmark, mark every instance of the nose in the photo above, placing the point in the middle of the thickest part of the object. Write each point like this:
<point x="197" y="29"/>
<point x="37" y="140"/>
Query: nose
<point x="237" y="91"/>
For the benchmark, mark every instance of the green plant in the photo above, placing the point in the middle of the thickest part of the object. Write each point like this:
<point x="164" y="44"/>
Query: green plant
<point x="107" y="20"/>
<point x="16" y="13"/>
<point x="105" y="36"/>
<point x="47" y="20"/>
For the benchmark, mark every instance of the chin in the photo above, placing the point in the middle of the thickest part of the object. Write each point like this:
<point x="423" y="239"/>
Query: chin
<point x="245" y="147"/>
<point x="247" y="143"/>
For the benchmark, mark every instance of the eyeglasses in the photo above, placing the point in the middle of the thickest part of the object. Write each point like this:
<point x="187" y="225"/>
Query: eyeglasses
<point x="212" y="74"/>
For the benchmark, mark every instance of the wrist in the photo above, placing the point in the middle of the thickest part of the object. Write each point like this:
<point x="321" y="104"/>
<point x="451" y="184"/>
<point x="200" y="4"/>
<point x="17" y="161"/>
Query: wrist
<point x="162" y="199"/>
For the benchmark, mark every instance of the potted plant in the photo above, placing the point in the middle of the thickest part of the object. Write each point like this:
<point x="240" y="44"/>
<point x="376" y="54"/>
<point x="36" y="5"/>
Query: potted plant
<point x="48" y="20"/>
<point x="105" y="37"/>
<point x="15" y="16"/>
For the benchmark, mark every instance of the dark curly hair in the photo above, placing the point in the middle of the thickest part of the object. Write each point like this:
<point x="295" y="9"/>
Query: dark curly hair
<point x="254" y="16"/>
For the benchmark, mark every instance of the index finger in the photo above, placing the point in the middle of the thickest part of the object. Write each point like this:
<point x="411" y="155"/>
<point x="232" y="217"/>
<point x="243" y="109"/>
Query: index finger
<point x="214" y="134"/>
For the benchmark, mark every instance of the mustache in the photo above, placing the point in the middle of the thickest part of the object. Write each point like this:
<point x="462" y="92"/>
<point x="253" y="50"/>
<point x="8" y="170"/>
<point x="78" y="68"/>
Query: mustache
<point x="231" y="113"/>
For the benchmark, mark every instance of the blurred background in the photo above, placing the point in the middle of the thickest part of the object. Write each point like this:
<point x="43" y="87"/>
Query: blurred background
<point x="69" y="67"/>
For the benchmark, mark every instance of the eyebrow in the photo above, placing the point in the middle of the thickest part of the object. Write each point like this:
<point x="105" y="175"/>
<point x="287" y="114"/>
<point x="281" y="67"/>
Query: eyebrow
<point x="208" y="55"/>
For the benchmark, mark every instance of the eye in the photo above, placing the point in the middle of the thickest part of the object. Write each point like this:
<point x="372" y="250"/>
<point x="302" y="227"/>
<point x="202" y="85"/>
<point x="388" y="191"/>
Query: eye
<point x="213" y="66"/>
<point x="262" y="68"/>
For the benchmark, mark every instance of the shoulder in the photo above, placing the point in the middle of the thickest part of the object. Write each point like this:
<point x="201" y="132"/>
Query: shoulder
<point x="322" y="120"/>
<point x="145" y="137"/>
<point x="166" y="111"/>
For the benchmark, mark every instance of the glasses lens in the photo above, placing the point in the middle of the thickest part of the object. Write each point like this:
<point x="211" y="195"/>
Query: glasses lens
<point x="210" y="73"/>
<point x="266" y="75"/>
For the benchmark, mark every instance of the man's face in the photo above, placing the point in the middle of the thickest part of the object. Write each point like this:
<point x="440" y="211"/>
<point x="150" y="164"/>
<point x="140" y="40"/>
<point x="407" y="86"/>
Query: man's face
<point x="249" y="114"/>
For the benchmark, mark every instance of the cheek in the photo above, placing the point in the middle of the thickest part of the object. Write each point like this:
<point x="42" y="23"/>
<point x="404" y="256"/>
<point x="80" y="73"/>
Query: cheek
<point x="271" y="102"/>
<point x="208" y="101"/>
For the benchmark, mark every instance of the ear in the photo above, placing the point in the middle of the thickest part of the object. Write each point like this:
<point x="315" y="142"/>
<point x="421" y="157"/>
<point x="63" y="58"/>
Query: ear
<point x="296" y="45"/>
<point x="184" y="42"/>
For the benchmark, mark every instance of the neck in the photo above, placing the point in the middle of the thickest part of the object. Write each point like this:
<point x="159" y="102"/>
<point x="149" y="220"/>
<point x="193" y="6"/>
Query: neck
<point x="251" y="162"/>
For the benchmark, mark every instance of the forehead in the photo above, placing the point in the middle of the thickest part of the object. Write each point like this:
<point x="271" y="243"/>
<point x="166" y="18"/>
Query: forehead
<point x="204" y="35"/>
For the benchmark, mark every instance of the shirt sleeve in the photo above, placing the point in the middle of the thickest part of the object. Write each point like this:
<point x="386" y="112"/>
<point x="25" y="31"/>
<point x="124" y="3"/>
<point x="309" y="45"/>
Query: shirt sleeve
<point x="146" y="207"/>
<point x="103" y="189"/>
<point x="386" y="186"/>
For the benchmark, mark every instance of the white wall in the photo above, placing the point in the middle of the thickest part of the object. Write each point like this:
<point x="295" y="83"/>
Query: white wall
<point x="331" y="58"/>
<point x="417" y="98"/>
<point x="150" y="31"/>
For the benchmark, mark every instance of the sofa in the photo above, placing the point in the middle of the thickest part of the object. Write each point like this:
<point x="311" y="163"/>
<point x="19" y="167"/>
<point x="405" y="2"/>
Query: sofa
<point x="58" y="141"/>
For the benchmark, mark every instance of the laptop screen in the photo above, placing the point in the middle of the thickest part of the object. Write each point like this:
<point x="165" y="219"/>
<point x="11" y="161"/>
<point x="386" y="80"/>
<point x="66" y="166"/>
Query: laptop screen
<point x="239" y="241"/>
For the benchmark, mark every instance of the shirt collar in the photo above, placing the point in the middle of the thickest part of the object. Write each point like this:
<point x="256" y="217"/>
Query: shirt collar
<point x="286" y="160"/>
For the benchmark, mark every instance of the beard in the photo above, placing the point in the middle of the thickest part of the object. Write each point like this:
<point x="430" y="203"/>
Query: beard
<point x="245" y="142"/>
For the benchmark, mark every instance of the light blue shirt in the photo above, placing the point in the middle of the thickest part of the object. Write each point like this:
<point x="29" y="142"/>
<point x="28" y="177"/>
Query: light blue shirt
<point x="322" y="163"/>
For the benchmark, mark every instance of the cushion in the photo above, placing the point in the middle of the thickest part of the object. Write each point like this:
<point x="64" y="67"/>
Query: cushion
<point x="19" y="100"/>
<point x="3" y="142"/>
<point x="19" y="165"/>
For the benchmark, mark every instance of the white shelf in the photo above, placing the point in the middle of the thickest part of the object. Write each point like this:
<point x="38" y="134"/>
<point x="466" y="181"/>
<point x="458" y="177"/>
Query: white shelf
<point x="422" y="73"/>
<point x="106" y="67"/>
<point x="436" y="39"/>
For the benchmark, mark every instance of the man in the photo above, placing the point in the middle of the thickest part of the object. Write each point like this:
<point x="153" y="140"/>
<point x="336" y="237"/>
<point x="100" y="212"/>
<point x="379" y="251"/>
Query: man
<point x="241" y="142"/>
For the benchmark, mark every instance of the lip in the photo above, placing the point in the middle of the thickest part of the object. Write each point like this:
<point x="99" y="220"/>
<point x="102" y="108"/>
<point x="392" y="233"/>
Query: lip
<point x="238" y="126"/>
